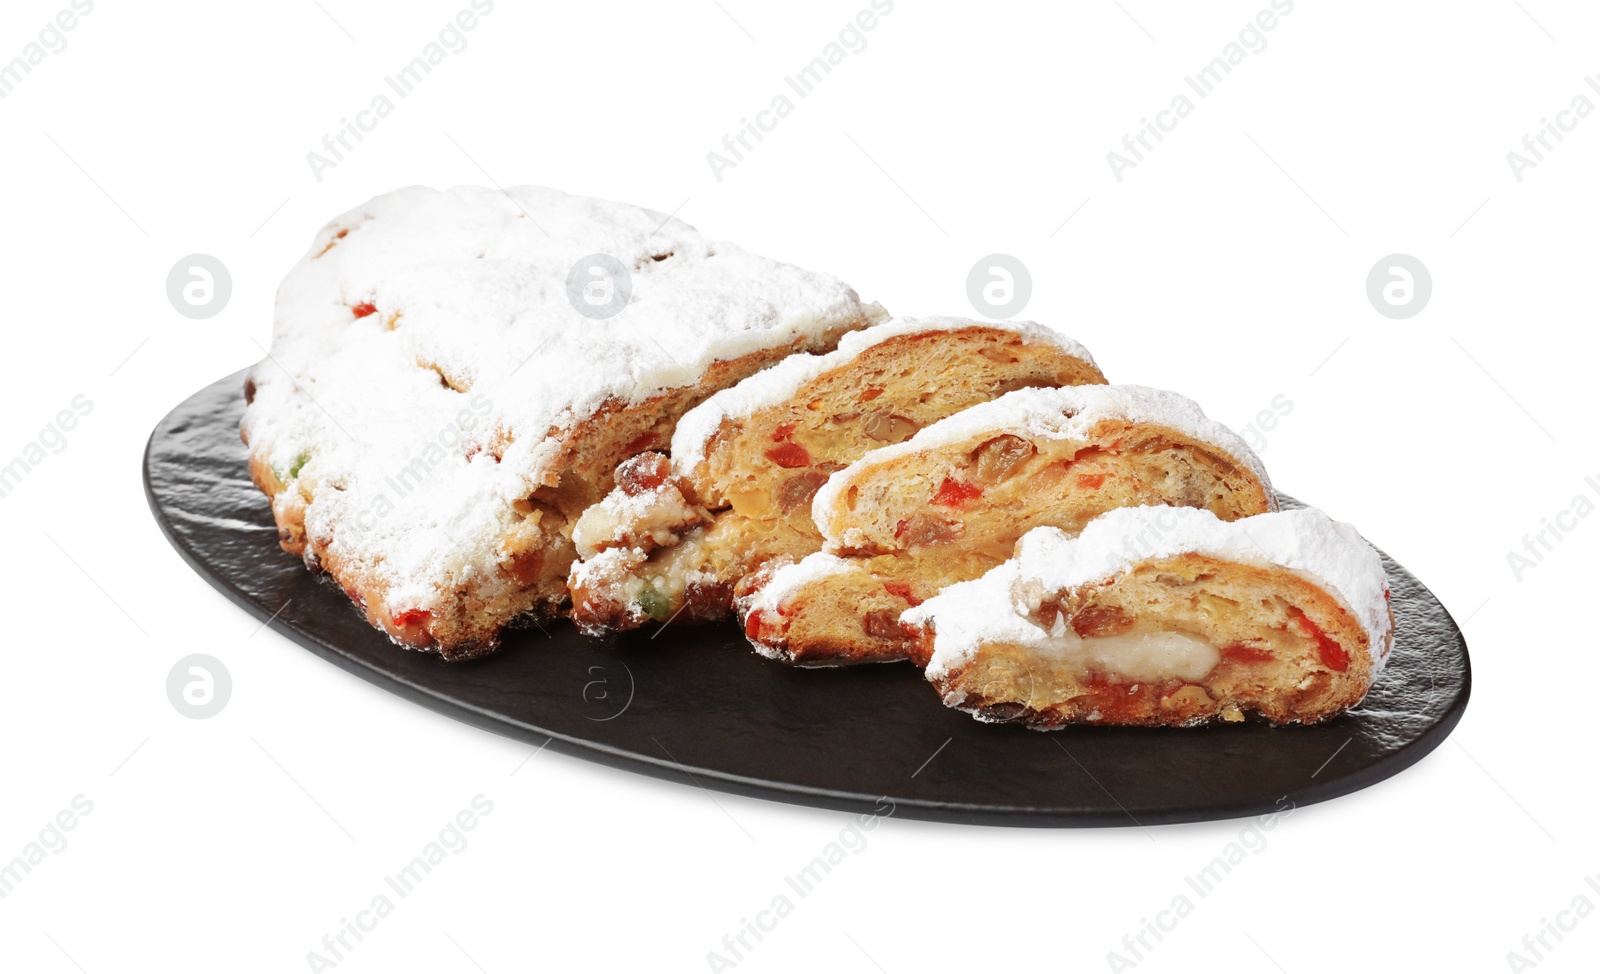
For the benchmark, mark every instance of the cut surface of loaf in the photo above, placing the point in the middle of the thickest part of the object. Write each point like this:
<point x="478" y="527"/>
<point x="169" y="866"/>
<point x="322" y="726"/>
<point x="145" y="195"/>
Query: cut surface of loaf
<point x="436" y="411"/>
<point x="907" y="520"/>
<point x="746" y="463"/>
<point x="1164" y="616"/>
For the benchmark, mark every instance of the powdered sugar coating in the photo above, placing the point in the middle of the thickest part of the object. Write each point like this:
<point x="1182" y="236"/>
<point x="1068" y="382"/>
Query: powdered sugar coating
<point x="468" y="290"/>
<point x="790" y="578"/>
<point x="994" y="608"/>
<point x="1065" y="413"/>
<point x="781" y="381"/>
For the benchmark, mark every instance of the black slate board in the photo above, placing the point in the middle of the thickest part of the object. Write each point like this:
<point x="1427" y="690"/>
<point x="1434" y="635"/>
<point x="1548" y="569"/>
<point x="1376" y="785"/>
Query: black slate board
<point x="694" y="704"/>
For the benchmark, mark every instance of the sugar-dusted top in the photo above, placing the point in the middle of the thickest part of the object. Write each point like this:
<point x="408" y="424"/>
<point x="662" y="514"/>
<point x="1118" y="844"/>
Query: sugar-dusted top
<point x="789" y="578"/>
<point x="1065" y="413"/>
<point x="423" y="322"/>
<point x="995" y="608"/>
<point x="781" y="381"/>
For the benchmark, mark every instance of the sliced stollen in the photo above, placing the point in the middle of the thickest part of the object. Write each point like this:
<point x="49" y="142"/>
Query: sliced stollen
<point x="1164" y="616"/>
<point x="673" y="540"/>
<point x="436" y="411"/>
<point x="949" y="504"/>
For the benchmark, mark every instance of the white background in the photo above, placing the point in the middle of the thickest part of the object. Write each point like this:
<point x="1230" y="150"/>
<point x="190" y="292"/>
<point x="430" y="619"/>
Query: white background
<point x="1230" y="265"/>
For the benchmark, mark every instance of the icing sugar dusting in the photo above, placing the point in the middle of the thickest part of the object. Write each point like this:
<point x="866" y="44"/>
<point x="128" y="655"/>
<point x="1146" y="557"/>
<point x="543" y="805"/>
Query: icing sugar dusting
<point x="989" y="609"/>
<point x="790" y="578"/>
<point x="425" y="327"/>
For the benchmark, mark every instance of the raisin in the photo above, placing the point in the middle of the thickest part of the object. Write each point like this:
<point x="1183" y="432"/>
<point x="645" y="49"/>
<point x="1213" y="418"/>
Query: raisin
<point x="1100" y="620"/>
<point x="924" y="529"/>
<point x="645" y="472"/>
<point x="799" y="489"/>
<point x="524" y="566"/>
<point x="888" y="428"/>
<point x="997" y="459"/>
<point x="883" y="624"/>
<point x="704" y="601"/>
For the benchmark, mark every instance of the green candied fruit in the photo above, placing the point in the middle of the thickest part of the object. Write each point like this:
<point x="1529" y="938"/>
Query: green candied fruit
<point x="654" y="604"/>
<point x="300" y="460"/>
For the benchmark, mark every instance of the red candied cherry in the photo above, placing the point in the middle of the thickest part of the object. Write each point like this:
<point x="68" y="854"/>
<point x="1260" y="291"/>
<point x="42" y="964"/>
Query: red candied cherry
<point x="412" y="617"/>
<point x="752" y="625"/>
<point x="1333" y="656"/>
<point x="954" y="493"/>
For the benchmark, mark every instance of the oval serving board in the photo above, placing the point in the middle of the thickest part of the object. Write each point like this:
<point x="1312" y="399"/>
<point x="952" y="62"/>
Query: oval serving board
<point x="692" y="703"/>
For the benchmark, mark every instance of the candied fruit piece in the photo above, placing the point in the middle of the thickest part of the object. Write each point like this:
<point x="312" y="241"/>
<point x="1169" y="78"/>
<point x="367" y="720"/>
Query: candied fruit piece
<point x="1241" y="653"/>
<point x="1333" y="656"/>
<point x="752" y="624"/>
<point x="902" y="590"/>
<point x="789" y="455"/>
<point x="955" y="493"/>
<point x="654" y="604"/>
<point x="412" y="617"/>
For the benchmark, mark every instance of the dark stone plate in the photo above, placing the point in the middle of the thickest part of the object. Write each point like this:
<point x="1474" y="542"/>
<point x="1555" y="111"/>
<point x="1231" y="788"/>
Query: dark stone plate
<point x="694" y="704"/>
